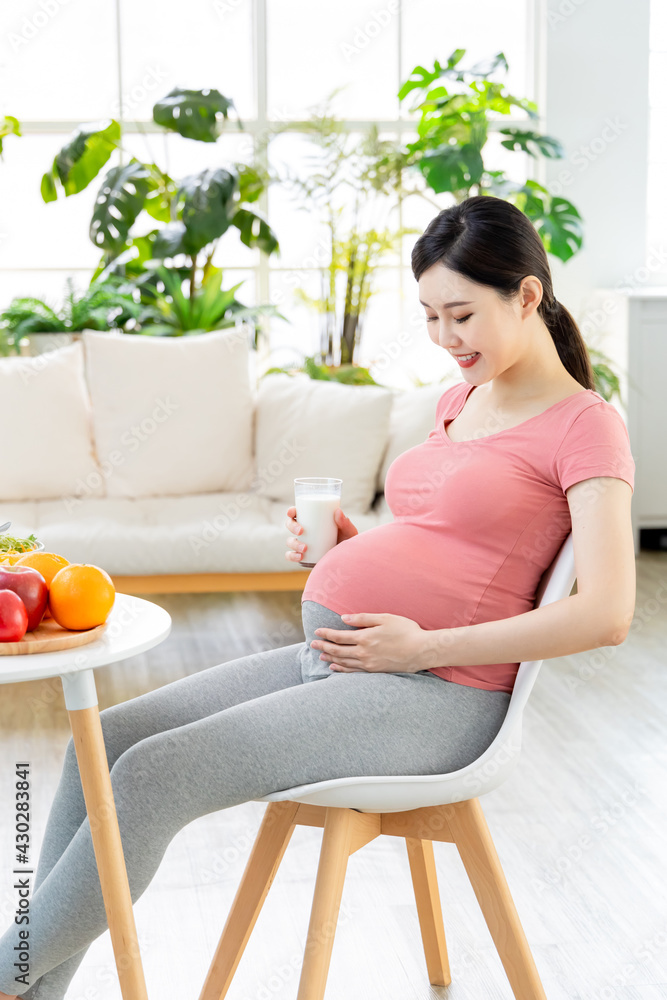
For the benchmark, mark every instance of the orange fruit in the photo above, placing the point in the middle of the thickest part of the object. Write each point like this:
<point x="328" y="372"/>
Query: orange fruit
<point x="46" y="563"/>
<point x="81" y="596"/>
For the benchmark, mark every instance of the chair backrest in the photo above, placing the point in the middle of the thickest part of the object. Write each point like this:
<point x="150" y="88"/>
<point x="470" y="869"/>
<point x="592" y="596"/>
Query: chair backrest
<point x="502" y="755"/>
<point x="556" y="583"/>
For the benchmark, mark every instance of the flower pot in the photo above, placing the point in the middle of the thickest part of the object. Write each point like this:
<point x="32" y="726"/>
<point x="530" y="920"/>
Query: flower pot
<point x="39" y="343"/>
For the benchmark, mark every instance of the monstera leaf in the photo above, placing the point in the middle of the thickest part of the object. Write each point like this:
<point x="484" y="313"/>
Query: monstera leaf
<point x="206" y="206"/>
<point x="118" y="203"/>
<point x="80" y="159"/>
<point x="421" y="78"/>
<point x="194" y="114"/>
<point x="452" y="168"/>
<point x="556" y="219"/>
<point x="255" y="231"/>
<point x="161" y="193"/>
<point x="532" y="143"/>
<point x="169" y="241"/>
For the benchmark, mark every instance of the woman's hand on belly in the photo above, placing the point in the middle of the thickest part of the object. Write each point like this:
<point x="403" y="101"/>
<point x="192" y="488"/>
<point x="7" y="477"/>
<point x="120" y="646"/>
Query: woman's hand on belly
<point x="380" y="643"/>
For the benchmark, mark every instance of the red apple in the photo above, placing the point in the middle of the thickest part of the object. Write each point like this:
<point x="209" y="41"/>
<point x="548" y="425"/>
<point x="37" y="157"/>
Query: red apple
<point x="30" y="586"/>
<point x="13" y="617"/>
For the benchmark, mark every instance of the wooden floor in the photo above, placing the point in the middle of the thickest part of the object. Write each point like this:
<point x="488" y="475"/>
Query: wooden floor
<point x="579" y="827"/>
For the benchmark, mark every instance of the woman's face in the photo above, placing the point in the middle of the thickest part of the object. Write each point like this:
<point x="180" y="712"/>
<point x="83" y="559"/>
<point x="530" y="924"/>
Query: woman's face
<point x="466" y="318"/>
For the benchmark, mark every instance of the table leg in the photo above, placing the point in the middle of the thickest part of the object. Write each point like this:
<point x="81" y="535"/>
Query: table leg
<point x="81" y="701"/>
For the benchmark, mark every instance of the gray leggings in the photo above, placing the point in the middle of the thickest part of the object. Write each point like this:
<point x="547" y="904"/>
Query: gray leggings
<point x="226" y="735"/>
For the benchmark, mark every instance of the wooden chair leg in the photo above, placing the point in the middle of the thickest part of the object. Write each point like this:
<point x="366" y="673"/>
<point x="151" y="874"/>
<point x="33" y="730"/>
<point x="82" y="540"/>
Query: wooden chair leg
<point x="429" y="909"/>
<point x="473" y="840"/>
<point x="267" y="853"/>
<point x="339" y="825"/>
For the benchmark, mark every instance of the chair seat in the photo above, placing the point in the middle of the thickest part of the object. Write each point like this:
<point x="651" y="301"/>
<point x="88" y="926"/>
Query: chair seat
<point x="398" y="793"/>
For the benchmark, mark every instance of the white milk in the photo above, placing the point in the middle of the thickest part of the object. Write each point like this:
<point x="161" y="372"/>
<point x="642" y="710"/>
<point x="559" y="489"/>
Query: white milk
<point x="315" y="513"/>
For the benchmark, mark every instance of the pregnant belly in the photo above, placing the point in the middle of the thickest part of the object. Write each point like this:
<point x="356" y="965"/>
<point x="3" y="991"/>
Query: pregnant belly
<point x="396" y="568"/>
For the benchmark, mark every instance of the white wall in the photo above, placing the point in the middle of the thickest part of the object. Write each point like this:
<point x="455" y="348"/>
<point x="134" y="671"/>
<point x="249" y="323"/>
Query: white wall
<point x="594" y="96"/>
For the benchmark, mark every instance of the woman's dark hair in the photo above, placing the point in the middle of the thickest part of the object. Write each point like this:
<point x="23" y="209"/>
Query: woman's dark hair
<point x="491" y="242"/>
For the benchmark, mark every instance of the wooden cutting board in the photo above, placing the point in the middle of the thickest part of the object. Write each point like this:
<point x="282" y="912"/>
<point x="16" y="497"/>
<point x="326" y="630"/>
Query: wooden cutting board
<point x="49" y="636"/>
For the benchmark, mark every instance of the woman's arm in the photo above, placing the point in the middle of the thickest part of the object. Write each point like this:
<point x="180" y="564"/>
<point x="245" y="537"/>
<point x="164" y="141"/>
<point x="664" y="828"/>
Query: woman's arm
<point x="599" y="614"/>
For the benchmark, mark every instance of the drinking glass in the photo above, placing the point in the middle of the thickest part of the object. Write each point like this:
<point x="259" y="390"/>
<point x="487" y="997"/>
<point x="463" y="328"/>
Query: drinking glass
<point x="316" y="499"/>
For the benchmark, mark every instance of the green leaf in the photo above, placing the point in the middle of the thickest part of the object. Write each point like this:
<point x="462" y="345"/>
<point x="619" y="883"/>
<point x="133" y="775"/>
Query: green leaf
<point x="276" y="370"/>
<point x="161" y="193"/>
<point x="118" y="203"/>
<point x="177" y="312"/>
<point x="255" y="231"/>
<point x="556" y="219"/>
<point x="352" y="374"/>
<point x="101" y="306"/>
<point x="315" y="371"/>
<point x="420" y="79"/>
<point x="27" y="314"/>
<point x="48" y="188"/>
<point x="169" y="241"/>
<point x="206" y="206"/>
<point x="81" y="159"/>
<point x="532" y="143"/>
<point x="251" y="184"/>
<point x="8" y="126"/>
<point x="194" y="114"/>
<point x="452" y="168"/>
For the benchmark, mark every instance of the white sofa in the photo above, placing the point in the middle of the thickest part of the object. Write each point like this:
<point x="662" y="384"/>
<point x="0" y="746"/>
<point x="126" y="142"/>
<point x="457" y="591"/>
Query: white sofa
<point x="164" y="457"/>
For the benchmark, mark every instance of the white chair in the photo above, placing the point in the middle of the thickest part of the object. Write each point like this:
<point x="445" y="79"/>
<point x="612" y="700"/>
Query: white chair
<point x="420" y="808"/>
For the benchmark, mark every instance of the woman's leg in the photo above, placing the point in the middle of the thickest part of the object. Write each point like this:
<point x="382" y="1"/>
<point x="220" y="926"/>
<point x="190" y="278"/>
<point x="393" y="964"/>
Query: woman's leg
<point x="172" y="705"/>
<point x="354" y="724"/>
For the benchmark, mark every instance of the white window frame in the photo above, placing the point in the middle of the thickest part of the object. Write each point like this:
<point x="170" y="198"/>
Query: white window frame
<point x="535" y="41"/>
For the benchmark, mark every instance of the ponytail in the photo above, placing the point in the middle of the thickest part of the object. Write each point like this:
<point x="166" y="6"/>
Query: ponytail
<point x="569" y="342"/>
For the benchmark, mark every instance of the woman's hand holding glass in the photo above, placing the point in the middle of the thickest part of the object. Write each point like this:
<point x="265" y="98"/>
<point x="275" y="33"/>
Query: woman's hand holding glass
<point x="296" y="547"/>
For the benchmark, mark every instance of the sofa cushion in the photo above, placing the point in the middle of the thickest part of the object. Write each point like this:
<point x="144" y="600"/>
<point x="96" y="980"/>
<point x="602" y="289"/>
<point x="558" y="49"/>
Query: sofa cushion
<point x="47" y="443"/>
<point x="312" y="427"/>
<point x="412" y="419"/>
<point x="207" y="533"/>
<point x="172" y="416"/>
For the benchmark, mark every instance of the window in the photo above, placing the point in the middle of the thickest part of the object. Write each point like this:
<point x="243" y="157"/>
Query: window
<point x="68" y="63"/>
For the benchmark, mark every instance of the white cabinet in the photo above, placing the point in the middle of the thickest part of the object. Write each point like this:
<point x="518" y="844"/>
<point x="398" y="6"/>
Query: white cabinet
<point x="630" y="326"/>
<point x="647" y="406"/>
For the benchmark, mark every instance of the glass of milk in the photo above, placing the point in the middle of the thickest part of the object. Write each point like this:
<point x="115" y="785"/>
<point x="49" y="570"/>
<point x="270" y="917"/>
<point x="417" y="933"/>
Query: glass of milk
<point x="316" y="500"/>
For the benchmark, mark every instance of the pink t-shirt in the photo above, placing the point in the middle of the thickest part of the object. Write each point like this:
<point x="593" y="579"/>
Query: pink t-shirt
<point x="476" y="522"/>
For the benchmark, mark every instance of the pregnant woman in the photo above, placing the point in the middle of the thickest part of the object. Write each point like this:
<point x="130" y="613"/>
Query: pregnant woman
<point x="418" y="677"/>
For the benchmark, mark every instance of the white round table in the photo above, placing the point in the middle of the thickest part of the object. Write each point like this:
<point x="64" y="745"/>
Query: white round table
<point x="133" y="626"/>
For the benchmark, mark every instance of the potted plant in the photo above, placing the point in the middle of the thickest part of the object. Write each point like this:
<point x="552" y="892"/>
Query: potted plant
<point x="167" y="310"/>
<point x="457" y="109"/>
<point x="102" y="306"/>
<point x="189" y="216"/>
<point x="344" y="167"/>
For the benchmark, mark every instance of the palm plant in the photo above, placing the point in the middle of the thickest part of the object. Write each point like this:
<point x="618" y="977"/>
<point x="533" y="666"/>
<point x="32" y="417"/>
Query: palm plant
<point x="101" y="306"/>
<point x="364" y="172"/>
<point x="172" y="312"/>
